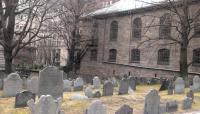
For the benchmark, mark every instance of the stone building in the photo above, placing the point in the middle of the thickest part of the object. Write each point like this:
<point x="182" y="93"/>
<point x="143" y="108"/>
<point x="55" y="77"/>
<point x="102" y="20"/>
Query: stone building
<point x="123" y="33"/>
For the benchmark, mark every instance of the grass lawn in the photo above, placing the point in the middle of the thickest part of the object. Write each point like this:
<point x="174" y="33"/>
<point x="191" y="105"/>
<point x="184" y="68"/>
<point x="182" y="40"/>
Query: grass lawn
<point x="135" y="100"/>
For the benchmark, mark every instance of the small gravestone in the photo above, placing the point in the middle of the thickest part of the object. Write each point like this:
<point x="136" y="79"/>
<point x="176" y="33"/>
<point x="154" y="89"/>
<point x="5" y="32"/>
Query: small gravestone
<point x="108" y="88"/>
<point x="165" y="85"/>
<point x="170" y="89"/>
<point x="96" y="82"/>
<point x="162" y="109"/>
<point x="12" y="85"/>
<point x="1" y="84"/>
<point x="32" y="84"/>
<point x="78" y="84"/>
<point x="96" y="108"/>
<point x="97" y="94"/>
<point x="152" y="103"/>
<point x="124" y="86"/>
<point x="22" y="98"/>
<point x="196" y="84"/>
<point x="51" y="82"/>
<point x="67" y="85"/>
<point x="88" y="92"/>
<point x="190" y="94"/>
<point x="179" y="86"/>
<point x="132" y="82"/>
<point x="45" y="105"/>
<point x="114" y="81"/>
<point x="171" y="106"/>
<point x="125" y="109"/>
<point x="187" y="103"/>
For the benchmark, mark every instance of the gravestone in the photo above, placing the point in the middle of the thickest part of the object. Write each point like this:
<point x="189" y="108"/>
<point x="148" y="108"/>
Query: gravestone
<point x="45" y="105"/>
<point x="96" y="82"/>
<point x="164" y="85"/>
<point x="170" y="89"/>
<point x="78" y="84"/>
<point x="123" y="88"/>
<point x="187" y="103"/>
<point x="125" y="109"/>
<point x="114" y="81"/>
<point x="1" y="84"/>
<point x="32" y="84"/>
<point x="171" y="106"/>
<point x="179" y="86"/>
<point x="88" y="92"/>
<point x="132" y="82"/>
<point x="190" y="94"/>
<point x="51" y="82"/>
<point x="162" y="109"/>
<point x="108" y="88"/>
<point x="22" y="98"/>
<point x="196" y="84"/>
<point x="67" y="85"/>
<point x="24" y="82"/>
<point x="96" y="108"/>
<point x="97" y="94"/>
<point x="12" y="85"/>
<point x="152" y="102"/>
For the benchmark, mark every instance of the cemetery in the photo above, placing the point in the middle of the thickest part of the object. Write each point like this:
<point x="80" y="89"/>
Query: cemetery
<point x="132" y="95"/>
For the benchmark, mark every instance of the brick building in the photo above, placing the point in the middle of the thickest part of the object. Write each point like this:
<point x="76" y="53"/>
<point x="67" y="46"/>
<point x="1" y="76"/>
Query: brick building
<point x="121" y="33"/>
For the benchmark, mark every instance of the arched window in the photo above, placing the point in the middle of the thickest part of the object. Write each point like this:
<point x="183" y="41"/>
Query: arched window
<point x="197" y="28"/>
<point x="196" y="57"/>
<point x="137" y="28"/>
<point x="163" y="56"/>
<point x="165" y="26"/>
<point x="113" y="31"/>
<point x="135" y="55"/>
<point x="112" y="55"/>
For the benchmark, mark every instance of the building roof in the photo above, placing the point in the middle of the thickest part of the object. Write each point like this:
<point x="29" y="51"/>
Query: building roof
<point x="125" y="5"/>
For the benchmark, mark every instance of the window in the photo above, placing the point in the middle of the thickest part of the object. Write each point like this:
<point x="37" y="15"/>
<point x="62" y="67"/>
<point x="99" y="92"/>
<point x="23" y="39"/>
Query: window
<point x="113" y="31"/>
<point x="137" y="28"/>
<point x="163" y="57"/>
<point x="197" y="28"/>
<point x="165" y="26"/>
<point x="196" y="57"/>
<point x="135" y="55"/>
<point x="93" y="55"/>
<point x="112" y="55"/>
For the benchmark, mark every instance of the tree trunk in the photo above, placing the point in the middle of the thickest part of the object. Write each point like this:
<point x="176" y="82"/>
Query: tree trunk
<point x="8" y="61"/>
<point x="183" y="62"/>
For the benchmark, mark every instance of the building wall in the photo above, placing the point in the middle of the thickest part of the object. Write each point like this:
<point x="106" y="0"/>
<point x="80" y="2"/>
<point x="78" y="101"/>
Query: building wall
<point x="149" y="52"/>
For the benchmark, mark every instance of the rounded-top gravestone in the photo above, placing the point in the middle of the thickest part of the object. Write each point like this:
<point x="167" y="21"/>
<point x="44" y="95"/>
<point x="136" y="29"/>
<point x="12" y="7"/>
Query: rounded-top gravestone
<point x="196" y="84"/>
<point x="78" y="84"/>
<point x="96" y="82"/>
<point x="108" y="88"/>
<point x="179" y="86"/>
<point x="132" y="82"/>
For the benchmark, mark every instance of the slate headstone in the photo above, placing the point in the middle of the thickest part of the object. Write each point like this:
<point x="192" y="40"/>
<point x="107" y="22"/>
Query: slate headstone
<point x="187" y="103"/>
<point x="22" y="98"/>
<point x="51" y="82"/>
<point x="132" y="82"/>
<point x="1" y="84"/>
<point x="124" y="86"/>
<point x="97" y="94"/>
<point x="108" y="88"/>
<point x="171" y="106"/>
<point x="165" y="85"/>
<point x="78" y="84"/>
<point x="96" y="108"/>
<point x="196" y="84"/>
<point x="96" y="82"/>
<point x="125" y="109"/>
<point x="179" y="86"/>
<point x="32" y="84"/>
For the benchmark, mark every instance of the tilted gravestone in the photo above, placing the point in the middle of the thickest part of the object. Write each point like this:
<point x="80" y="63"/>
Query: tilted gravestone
<point x="196" y="84"/>
<point x="88" y="92"/>
<point x="32" y="84"/>
<point x="12" y="85"/>
<point x="124" y="86"/>
<point x="108" y="88"/>
<point x="152" y="102"/>
<point x="78" y="84"/>
<point x="179" y="86"/>
<point x="51" y="82"/>
<point x="45" y="105"/>
<point x="170" y="89"/>
<point x="96" y="82"/>
<point x="125" y="109"/>
<point x="187" y="103"/>
<point x="190" y="94"/>
<point x="22" y="98"/>
<point x="67" y="85"/>
<point x="96" y="108"/>
<point x="132" y="82"/>
<point x="171" y="106"/>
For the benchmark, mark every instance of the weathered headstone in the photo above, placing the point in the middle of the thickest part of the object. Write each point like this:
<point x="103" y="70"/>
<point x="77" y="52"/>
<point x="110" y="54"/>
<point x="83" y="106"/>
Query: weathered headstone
<point x="108" y="88"/>
<point x="45" y="105"/>
<point x="22" y="98"/>
<point x="51" y="82"/>
<point x="32" y="84"/>
<point x="196" y="84"/>
<point x="171" y="106"/>
<point x="12" y="85"/>
<point x="96" y="108"/>
<point x="179" y="86"/>
<point x="164" y="85"/>
<point x="123" y="88"/>
<point x="170" y="89"/>
<point x="132" y="82"/>
<point x="67" y="85"/>
<point x="78" y="84"/>
<point x="97" y="94"/>
<point x="125" y="109"/>
<point x="88" y="92"/>
<point x="162" y="109"/>
<point x="96" y="82"/>
<point x="1" y="84"/>
<point x="190" y="94"/>
<point x="187" y="103"/>
<point x="152" y="102"/>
